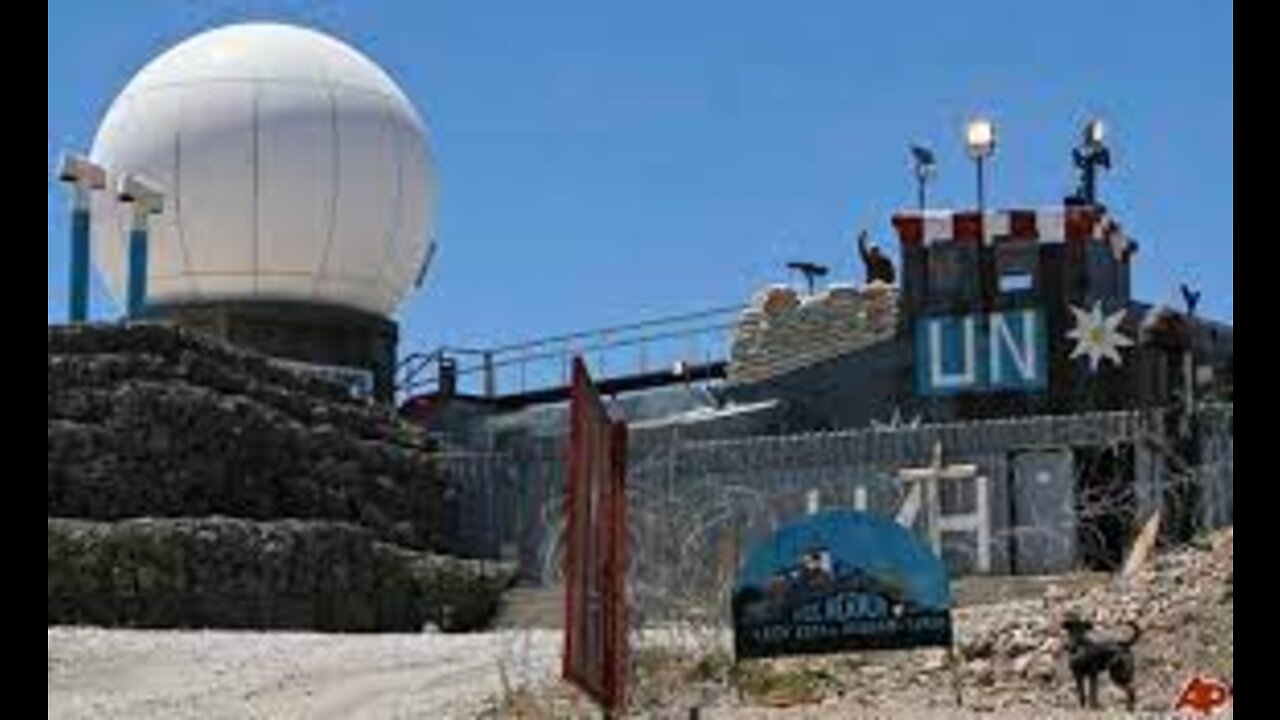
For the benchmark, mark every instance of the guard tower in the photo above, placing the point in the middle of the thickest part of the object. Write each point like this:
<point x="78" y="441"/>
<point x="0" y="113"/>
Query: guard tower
<point x="988" y="299"/>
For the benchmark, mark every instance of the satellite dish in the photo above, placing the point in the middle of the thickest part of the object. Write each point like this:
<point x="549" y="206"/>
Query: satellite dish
<point x="923" y="156"/>
<point x="810" y="271"/>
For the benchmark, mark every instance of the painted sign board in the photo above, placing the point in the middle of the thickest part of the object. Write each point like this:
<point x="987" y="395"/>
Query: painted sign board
<point x="982" y="352"/>
<point x="596" y="653"/>
<point x="840" y="580"/>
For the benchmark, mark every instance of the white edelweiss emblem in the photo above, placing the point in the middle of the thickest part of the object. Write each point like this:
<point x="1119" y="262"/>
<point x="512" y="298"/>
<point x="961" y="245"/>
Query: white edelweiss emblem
<point x="1098" y="335"/>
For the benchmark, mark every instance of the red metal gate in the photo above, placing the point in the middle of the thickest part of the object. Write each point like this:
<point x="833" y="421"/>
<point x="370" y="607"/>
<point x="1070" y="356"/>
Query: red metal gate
<point x="595" y="639"/>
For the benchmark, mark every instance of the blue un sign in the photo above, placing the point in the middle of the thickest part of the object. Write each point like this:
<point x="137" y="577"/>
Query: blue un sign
<point x="996" y="351"/>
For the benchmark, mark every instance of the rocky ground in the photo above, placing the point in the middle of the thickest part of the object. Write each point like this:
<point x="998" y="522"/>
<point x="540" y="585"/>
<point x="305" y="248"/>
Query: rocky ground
<point x="1010" y="659"/>
<point x="1010" y="650"/>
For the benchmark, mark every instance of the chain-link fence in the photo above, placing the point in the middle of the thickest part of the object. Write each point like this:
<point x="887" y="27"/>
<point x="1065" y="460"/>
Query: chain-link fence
<point x="1044" y="495"/>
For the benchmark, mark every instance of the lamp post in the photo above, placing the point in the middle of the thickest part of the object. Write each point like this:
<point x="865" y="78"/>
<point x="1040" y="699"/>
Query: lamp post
<point x="980" y="137"/>
<point x="147" y="200"/>
<point x="1089" y="156"/>
<point x="926" y="167"/>
<point x="84" y="177"/>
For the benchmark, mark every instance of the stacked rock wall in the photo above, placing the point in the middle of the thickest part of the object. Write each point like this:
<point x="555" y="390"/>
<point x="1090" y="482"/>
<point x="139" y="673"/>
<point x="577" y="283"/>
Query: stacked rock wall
<point x="783" y="331"/>
<point x="191" y="483"/>
<point x="284" y="574"/>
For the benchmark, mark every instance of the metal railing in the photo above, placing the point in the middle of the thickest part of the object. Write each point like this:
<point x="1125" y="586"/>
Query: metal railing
<point x="520" y="367"/>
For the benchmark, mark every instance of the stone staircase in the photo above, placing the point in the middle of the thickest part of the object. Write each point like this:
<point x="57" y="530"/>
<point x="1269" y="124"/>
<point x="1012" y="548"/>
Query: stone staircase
<point x="532" y="607"/>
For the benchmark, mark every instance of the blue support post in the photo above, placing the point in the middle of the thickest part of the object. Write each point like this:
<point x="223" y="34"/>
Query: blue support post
<point x="137" y="281"/>
<point x="79" y="309"/>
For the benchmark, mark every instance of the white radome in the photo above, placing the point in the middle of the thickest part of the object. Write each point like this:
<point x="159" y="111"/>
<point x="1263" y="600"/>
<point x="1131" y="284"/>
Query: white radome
<point x="293" y="169"/>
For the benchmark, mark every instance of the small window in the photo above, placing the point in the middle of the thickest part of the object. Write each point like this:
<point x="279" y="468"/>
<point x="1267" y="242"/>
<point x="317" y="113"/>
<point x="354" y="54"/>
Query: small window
<point x="1016" y="282"/>
<point x="1016" y="265"/>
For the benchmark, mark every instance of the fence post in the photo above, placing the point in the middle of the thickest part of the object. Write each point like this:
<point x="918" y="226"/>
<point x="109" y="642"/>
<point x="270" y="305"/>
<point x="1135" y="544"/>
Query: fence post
<point x="490" y="377"/>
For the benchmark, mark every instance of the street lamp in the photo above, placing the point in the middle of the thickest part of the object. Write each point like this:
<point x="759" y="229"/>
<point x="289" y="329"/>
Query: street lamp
<point x="980" y="137"/>
<point x="84" y="177"/>
<point x="147" y="200"/>
<point x="1089" y="156"/>
<point x="926" y="167"/>
<point x="1094" y="131"/>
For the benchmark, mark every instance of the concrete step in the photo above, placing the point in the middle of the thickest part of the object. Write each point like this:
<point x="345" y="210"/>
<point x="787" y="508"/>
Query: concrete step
<point x="532" y="607"/>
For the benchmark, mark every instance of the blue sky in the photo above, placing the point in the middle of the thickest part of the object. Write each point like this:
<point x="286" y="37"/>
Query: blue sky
<point x="606" y="162"/>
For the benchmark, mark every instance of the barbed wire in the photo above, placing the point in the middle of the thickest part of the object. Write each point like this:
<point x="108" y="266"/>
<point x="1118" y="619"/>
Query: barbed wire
<point x="692" y="523"/>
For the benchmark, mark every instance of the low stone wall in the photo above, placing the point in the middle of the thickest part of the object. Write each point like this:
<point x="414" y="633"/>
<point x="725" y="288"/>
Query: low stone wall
<point x="288" y="574"/>
<point x="194" y="484"/>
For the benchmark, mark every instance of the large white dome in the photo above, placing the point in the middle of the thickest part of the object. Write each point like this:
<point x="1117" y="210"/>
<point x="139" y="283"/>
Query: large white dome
<point x="293" y="167"/>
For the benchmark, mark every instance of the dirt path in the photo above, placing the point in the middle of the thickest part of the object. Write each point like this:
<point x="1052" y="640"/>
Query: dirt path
<point x="140" y="674"/>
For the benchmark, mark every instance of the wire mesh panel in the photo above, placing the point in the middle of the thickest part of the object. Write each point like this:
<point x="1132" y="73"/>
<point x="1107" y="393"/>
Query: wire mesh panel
<point x="697" y="506"/>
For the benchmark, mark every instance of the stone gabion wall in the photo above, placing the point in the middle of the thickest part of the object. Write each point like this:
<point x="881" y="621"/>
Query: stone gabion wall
<point x="287" y="574"/>
<point x="782" y="331"/>
<point x="155" y="421"/>
<point x="192" y="484"/>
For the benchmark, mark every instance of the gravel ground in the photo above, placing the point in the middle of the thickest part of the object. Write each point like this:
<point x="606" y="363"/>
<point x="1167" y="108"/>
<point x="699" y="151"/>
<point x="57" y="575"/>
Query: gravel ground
<point x="95" y="673"/>
<point x="1007" y="640"/>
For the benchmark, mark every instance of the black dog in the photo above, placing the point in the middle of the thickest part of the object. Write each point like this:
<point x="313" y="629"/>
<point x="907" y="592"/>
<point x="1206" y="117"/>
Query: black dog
<point x="1089" y="658"/>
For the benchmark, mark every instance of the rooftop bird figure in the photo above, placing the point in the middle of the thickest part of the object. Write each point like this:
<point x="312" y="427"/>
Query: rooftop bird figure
<point x="878" y="265"/>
